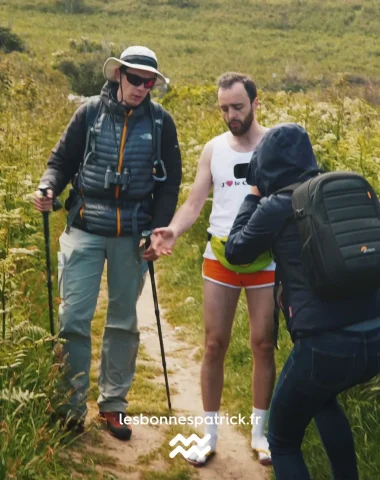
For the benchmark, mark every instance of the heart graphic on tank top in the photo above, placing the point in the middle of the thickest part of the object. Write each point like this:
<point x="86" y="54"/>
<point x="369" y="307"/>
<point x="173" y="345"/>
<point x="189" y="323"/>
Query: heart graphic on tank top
<point x="229" y="183"/>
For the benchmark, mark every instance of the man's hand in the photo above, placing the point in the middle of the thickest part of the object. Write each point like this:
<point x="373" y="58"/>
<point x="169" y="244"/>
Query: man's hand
<point x="41" y="203"/>
<point x="162" y="242"/>
<point x="149" y="255"/>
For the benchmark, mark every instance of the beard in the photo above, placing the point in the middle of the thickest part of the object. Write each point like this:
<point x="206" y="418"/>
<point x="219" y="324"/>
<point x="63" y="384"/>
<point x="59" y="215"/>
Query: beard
<point x="242" y="127"/>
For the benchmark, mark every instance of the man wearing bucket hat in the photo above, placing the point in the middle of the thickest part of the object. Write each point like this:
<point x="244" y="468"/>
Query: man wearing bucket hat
<point x="139" y="58"/>
<point x="121" y="153"/>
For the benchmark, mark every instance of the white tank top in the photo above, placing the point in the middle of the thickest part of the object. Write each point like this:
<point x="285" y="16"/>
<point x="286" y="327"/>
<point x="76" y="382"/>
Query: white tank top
<point x="229" y="191"/>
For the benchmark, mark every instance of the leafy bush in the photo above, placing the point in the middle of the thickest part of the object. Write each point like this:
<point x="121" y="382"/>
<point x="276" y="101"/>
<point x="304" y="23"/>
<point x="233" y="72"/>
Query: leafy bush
<point x="85" y="71"/>
<point x="86" y="77"/>
<point x="86" y="45"/>
<point x="10" y="42"/>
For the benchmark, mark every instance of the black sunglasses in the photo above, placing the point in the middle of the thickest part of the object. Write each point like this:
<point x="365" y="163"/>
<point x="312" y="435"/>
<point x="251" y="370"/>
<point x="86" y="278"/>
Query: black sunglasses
<point x="136" y="80"/>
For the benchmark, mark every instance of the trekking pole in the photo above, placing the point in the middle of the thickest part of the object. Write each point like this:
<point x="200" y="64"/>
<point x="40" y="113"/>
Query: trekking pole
<point x="146" y="236"/>
<point x="43" y="189"/>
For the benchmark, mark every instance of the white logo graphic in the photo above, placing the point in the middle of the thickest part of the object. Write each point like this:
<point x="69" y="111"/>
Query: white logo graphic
<point x="194" y="449"/>
<point x="146" y="136"/>
<point x="365" y="249"/>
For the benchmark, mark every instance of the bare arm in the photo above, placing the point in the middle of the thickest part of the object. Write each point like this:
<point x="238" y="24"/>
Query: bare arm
<point x="164" y="239"/>
<point x="187" y="214"/>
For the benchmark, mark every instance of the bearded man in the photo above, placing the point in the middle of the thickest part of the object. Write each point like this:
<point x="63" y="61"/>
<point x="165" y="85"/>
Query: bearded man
<point x="222" y="165"/>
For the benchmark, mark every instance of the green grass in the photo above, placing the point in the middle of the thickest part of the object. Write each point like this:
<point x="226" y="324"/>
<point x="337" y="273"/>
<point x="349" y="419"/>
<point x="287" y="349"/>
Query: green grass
<point x="305" y="43"/>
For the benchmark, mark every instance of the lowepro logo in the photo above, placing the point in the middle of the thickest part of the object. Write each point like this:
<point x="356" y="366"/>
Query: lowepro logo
<point x="365" y="249"/>
<point x="186" y="441"/>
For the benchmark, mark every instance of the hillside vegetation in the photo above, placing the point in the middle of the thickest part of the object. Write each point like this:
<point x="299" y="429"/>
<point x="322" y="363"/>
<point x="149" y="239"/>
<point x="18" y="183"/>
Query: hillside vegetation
<point x="291" y="44"/>
<point x="316" y="63"/>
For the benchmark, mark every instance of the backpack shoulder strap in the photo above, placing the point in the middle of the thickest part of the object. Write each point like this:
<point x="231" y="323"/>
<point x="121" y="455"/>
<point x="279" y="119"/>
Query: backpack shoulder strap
<point x="158" y="115"/>
<point x="93" y="110"/>
<point x="94" y="107"/>
<point x="157" y="112"/>
<point x="288" y="188"/>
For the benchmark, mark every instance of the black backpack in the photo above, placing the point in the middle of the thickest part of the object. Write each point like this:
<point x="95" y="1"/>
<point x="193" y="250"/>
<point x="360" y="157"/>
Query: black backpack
<point x="338" y="220"/>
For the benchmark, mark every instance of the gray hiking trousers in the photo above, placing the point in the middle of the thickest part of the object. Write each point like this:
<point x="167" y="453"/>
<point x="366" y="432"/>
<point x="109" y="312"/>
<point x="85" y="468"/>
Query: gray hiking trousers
<point x="80" y="266"/>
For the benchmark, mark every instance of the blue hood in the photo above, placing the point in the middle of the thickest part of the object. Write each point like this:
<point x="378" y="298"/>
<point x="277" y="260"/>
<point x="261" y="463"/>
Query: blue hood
<point x="284" y="155"/>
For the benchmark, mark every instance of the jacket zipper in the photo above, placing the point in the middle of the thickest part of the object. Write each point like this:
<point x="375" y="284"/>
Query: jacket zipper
<point x="119" y="168"/>
<point x="82" y="207"/>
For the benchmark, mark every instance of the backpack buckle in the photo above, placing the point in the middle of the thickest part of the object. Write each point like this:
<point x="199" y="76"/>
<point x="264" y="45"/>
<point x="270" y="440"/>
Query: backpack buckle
<point x="299" y="213"/>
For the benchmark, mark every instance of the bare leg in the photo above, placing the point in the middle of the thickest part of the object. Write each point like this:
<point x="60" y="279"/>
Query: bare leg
<point x="261" y="310"/>
<point x="219" y="307"/>
<point x="261" y="314"/>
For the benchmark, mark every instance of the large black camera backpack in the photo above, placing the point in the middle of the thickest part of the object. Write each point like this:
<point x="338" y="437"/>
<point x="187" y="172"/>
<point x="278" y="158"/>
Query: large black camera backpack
<point x="338" y="219"/>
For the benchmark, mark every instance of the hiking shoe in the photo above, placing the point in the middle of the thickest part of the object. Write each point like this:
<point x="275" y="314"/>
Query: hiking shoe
<point x="115" y="424"/>
<point x="68" y="423"/>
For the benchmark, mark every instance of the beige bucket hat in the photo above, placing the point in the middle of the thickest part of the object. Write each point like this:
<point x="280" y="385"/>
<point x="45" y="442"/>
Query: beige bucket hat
<point x="141" y="58"/>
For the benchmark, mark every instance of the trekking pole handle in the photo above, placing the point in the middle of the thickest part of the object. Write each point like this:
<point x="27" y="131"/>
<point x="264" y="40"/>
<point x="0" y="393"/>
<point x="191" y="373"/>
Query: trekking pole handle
<point x="43" y="188"/>
<point x="145" y="238"/>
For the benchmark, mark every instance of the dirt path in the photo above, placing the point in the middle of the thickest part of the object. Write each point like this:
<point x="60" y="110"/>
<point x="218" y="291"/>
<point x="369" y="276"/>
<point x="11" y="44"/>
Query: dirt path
<point x="234" y="459"/>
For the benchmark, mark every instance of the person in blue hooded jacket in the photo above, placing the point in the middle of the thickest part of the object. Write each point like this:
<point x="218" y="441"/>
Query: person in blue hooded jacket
<point x="336" y="342"/>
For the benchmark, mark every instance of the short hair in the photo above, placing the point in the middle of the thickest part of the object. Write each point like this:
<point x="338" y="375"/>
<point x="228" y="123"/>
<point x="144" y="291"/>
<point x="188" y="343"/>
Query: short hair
<point x="230" y="78"/>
